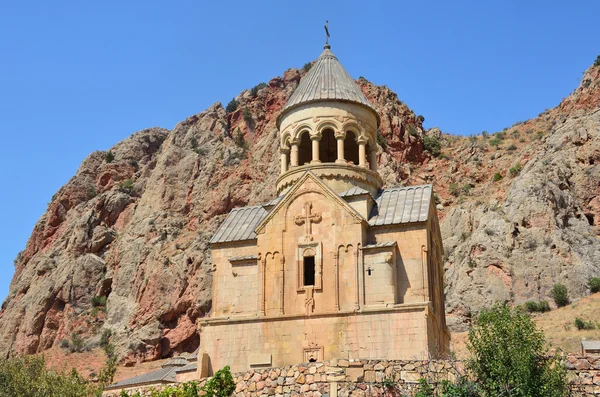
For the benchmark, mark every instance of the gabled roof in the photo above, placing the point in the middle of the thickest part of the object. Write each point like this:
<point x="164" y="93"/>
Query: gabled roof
<point x="326" y="189"/>
<point x="240" y="224"/>
<point x="401" y="205"/>
<point x="353" y="191"/>
<point x="327" y="80"/>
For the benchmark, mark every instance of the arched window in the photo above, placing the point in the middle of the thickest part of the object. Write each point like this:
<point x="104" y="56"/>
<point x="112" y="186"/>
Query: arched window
<point x="287" y="146"/>
<point x="327" y="147"/>
<point x="351" y="147"/>
<point x="304" y="149"/>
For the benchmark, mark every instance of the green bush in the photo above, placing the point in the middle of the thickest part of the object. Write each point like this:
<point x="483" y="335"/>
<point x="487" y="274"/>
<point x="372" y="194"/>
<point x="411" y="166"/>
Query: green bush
<point x="91" y="193"/>
<point x="594" y="284"/>
<point x="231" y="106"/>
<point x="454" y="189"/>
<point x="127" y="186"/>
<point x="515" y="169"/>
<point x="381" y="140"/>
<point x="412" y="131"/>
<point x="27" y="376"/>
<point x="99" y="301"/>
<point x="509" y="356"/>
<point x="539" y="307"/>
<point x="307" y="66"/>
<point x="432" y="145"/>
<point x="256" y="88"/>
<point x="220" y="385"/>
<point x="497" y="177"/>
<point x="105" y="338"/>
<point x="239" y="139"/>
<point x="77" y="344"/>
<point x="495" y="142"/>
<point x="424" y="389"/>
<point x="109" y="157"/>
<point x="247" y="116"/>
<point x="560" y="295"/>
<point x="462" y="388"/>
<point x="597" y="61"/>
<point x="582" y="324"/>
<point x="64" y="343"/>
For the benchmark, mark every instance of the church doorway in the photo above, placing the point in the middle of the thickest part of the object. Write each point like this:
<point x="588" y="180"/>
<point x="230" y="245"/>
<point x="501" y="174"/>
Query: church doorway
<point x="327" y="147"/>
<point x="351" y="148"/>
<point x="304" y="149"/>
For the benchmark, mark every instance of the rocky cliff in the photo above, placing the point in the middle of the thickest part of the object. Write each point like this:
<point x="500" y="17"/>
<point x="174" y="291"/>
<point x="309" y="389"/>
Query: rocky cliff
<point x="132" y="225"/>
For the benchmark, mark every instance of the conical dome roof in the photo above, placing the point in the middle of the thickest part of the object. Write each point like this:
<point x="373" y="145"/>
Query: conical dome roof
<point x="327" y="80"/>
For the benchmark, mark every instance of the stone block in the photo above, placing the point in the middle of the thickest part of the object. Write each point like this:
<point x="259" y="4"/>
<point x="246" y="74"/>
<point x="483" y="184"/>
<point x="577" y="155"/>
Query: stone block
<point x="370" y="376"/>
<point x="355" y="374"/>
<point x="410" y="376"/>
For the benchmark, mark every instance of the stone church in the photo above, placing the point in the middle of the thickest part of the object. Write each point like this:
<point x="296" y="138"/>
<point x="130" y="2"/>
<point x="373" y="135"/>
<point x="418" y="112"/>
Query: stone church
<point x="335" y="266"/>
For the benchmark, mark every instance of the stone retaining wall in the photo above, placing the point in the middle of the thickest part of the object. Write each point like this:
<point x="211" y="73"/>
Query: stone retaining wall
<point x="373" y="378"/>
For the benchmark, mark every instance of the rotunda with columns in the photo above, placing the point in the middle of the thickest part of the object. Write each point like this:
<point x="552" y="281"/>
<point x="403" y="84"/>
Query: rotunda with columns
<point x="329" y="127"/>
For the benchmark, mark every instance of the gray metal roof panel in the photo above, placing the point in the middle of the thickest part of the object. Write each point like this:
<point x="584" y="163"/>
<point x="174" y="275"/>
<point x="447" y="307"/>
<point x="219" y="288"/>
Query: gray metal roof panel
<point x="189" y="367"/>
<point x="401" y="205"/>
<point x="176" y="362"/>
<point x="326" y="80"/>
<point x="240" y="224"/>
<point x="353" y="191"/>
<point x="243" y="258"/>
<point x="380" y="245"/>
<point x="158" y="376"/>
<point x="590" y="344"/>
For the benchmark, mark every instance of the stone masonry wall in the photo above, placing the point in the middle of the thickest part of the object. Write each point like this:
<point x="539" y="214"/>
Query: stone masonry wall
<point x="343" y="378"/>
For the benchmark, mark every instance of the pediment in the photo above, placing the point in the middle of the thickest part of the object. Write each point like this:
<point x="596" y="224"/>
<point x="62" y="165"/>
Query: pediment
<point x="300" y="188"/>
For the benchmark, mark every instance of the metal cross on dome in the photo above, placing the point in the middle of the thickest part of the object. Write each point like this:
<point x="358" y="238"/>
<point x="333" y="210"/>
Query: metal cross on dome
<point x="327" y="32"/>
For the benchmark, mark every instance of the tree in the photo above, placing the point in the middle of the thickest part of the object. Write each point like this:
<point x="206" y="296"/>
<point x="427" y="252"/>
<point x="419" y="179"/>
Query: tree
<point x="220" y="385"/>
<point x="28" y="376"/>
<point x="231" y="106"/>
<point x="510" y="357"/>
<point x="109" y="157"/>
<point x="560" y="294"/>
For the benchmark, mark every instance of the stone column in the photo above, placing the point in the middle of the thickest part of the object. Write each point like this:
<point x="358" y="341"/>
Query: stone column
<point x="362" y="142"/>
<point x="284" y="159"/>
<point x="340" y="136"/>
<point x="263" y="265"/>
<point x="294" y="156"/>
<point x="373" y="158"/>
<point x="315" y="148"/>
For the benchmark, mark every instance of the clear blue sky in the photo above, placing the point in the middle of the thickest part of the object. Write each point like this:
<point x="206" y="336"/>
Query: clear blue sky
<point x="79" y="76"/>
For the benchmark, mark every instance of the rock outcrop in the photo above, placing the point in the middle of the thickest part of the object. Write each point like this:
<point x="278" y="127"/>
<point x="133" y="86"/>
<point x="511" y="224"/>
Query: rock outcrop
<point x="133" y="224"/>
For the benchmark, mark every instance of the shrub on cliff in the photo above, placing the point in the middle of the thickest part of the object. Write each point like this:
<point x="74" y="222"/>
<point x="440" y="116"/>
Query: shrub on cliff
<point x="510" y="356"/>
<point x="560" y="295"/>
<point x="231" y="106"/>
<point x="597" y="61"/>
<point x="256" y="88"/>
<point x="582" y="324"/>
<point x="594" y="284"/>
<point x="109" y="157"/>
<point x="540" y="306"/>
<point x="432" y="145"/>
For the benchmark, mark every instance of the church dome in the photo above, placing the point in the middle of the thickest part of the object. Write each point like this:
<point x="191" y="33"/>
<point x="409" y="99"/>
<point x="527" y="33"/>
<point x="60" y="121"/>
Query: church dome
<point x="327" y="80"/>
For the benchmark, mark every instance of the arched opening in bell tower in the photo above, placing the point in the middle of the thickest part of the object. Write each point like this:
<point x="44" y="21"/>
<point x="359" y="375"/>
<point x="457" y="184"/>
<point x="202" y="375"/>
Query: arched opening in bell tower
<point x="351" y="147"/>
<point x="304" y="149"/>
<point x="327" y="147"/>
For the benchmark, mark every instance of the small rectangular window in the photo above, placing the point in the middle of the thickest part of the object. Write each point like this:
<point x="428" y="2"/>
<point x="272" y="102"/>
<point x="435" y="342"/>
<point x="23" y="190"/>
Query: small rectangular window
<point x="309" y="270"/>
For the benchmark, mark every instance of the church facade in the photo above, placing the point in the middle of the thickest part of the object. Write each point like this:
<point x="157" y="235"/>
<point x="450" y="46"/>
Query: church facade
<point x="335" y="266"/>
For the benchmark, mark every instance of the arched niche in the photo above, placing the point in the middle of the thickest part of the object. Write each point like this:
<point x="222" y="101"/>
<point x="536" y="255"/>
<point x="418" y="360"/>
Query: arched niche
<point x="304" y="149"/>
<point x="327" y="146"/>
<point x="351" y="147"/>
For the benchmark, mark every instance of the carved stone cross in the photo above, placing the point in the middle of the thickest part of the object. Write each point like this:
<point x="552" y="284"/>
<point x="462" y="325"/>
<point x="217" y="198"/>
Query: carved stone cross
<point x="307" y="219"/>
